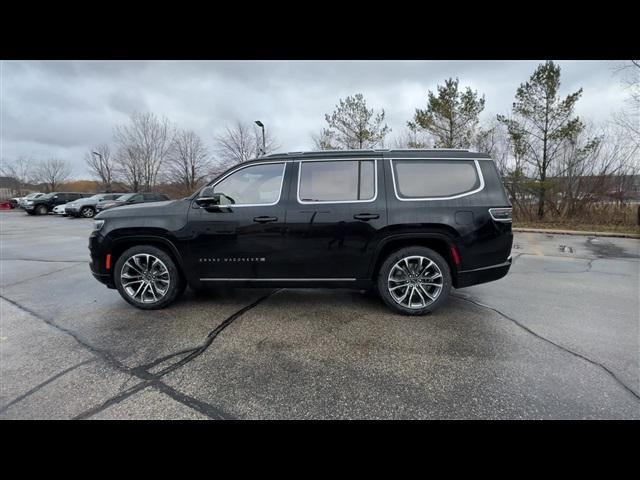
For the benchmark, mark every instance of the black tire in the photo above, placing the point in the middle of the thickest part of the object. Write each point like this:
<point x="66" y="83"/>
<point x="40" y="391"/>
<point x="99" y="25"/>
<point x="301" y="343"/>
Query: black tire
<point x="397" y="256"/>
<point x="41" y="210"/>
<point x="176" y="282"/>
<point x="87" y="212"/>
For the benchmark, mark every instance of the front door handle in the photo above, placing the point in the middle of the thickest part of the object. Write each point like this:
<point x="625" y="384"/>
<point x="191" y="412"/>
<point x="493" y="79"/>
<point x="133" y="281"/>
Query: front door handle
<point x="366" y="216"/>
<point x="265" y="219"/>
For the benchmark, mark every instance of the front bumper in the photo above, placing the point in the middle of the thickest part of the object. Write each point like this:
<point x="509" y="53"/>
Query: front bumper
<point x="98" y="248"/>
<point x="467" y="278"/>
<point x="72" y="211"/>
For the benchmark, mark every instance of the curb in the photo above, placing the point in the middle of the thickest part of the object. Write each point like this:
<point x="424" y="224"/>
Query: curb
<point x="578" y="232"/>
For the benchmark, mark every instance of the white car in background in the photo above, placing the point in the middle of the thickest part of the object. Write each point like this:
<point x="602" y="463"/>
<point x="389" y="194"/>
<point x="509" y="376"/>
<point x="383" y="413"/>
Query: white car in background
<point x="59" y="210"/>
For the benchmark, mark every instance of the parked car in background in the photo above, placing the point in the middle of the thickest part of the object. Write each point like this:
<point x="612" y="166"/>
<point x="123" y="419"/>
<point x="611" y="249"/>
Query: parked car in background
<point x="408" y="224"/>
<point x="47" y="202"/>
<point x="86" y="207"/>
<point x="60" y="210"/>
<point x="132" y="198"/>
<point x="32" y="196"/>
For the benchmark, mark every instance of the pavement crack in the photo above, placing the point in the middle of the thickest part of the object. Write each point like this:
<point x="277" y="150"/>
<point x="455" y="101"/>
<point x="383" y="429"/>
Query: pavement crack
<point x="45" y="260"/>
<point x="38" y="276"/>
<point x="103" y="354"/>
<point x="557" y="345"/>
<point x="195" y="404"/>
<point x="43" y="384"/>
<point x="113" y="400"/>
<point x="193" y="353"/>
<point x="146" y="377"/>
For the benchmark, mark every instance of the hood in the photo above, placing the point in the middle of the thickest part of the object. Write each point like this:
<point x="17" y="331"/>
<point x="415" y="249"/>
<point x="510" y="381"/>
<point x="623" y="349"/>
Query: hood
<point x="139" y="209"/>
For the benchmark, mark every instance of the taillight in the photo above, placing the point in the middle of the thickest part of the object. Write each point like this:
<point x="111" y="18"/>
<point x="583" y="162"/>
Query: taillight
<point x="107" y="262"/>
<point x="501" y="214"/>
<point x="455" y="255"/>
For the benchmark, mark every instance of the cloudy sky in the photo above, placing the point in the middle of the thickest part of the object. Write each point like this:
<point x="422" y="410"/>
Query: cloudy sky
<point x="60" y="108"/>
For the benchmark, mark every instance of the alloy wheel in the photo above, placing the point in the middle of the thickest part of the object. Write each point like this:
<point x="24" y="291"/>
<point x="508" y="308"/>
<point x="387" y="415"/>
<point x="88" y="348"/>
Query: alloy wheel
<point x="145" y="278"/>
<point x="415" y="282"/>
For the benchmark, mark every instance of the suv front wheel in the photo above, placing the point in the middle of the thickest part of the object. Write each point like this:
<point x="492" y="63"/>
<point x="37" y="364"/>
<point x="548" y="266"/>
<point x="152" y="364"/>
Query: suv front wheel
<point x="414" y="280"/>
<point x="147" y="277"/>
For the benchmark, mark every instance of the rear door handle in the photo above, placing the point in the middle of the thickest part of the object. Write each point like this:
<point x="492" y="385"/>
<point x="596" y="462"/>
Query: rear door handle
<point x="265" y="219"/>
<point x="366" y="216"/>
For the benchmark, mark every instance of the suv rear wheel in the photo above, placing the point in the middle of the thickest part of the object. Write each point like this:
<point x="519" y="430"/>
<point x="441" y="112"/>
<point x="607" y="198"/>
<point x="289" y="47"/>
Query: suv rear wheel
<point x="147" y="277"/>
<point x="414" y="280"/>
<point x="87" y="212"/>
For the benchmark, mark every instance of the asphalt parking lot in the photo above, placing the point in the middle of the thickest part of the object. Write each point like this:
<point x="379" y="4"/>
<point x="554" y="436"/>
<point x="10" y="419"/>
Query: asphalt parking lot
<point x="557" y="338"/>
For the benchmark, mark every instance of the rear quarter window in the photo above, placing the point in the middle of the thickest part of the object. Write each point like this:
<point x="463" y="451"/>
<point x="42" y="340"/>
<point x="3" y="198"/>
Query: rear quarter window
<point x="416" y="179"/>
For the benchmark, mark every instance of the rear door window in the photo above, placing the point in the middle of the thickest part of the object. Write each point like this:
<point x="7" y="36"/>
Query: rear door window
<point x="435" y="179"/>
<point x="336" y="181"/>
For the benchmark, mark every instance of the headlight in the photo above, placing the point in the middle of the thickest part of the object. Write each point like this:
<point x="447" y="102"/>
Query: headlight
<point x="29" y="202"/>
<point x="97" y="225"/>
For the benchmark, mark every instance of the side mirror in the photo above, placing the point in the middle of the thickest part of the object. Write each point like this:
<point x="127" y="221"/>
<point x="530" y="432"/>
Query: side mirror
<point x="208" y="198"/>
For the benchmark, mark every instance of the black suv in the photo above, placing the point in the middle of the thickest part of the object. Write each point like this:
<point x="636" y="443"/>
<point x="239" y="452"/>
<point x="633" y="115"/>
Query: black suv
<point x="130" y="199"/>
<point x="45" y="204"/>
<point x="408" y="223"/>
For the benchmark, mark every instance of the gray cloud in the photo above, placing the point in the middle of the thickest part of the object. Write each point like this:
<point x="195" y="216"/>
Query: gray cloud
<point x="60" y="108"/>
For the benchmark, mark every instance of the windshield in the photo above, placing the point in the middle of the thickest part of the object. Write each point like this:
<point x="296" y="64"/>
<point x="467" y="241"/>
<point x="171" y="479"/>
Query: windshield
<point x="48" y="195"/>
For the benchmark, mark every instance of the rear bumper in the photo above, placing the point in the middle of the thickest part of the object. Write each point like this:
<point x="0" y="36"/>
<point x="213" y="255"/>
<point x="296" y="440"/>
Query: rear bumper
<point x="467" y="278"/>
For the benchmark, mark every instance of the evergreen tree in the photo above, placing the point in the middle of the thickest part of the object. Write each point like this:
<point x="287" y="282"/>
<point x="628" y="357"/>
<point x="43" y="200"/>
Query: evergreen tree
<point x="542" y="123"/>
<point x="451" y="116"/>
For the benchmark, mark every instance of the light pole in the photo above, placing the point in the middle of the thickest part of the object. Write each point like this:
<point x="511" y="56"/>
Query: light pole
<point x="261" y="125"/>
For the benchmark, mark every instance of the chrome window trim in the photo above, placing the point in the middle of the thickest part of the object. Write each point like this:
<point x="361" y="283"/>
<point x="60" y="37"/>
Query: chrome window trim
<point x="428" y="199"/>
<point x="242" y="167"/>
<point x="325" y="202"/>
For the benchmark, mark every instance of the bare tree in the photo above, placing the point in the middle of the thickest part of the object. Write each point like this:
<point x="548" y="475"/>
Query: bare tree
<point x="21" y="169"/>
<point x="101" y="165"/>
<point x="143" y="148"/>
<point x="494" y="140"/>
<point x="188" y="162"/>
<point x="628" y="117"/>
<point x="411" y="137"/>
<point x="52" y="173"/>
<point x="239" y="143"/>
<point x="128" y="167"/>
<point x="324" y="140"/>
